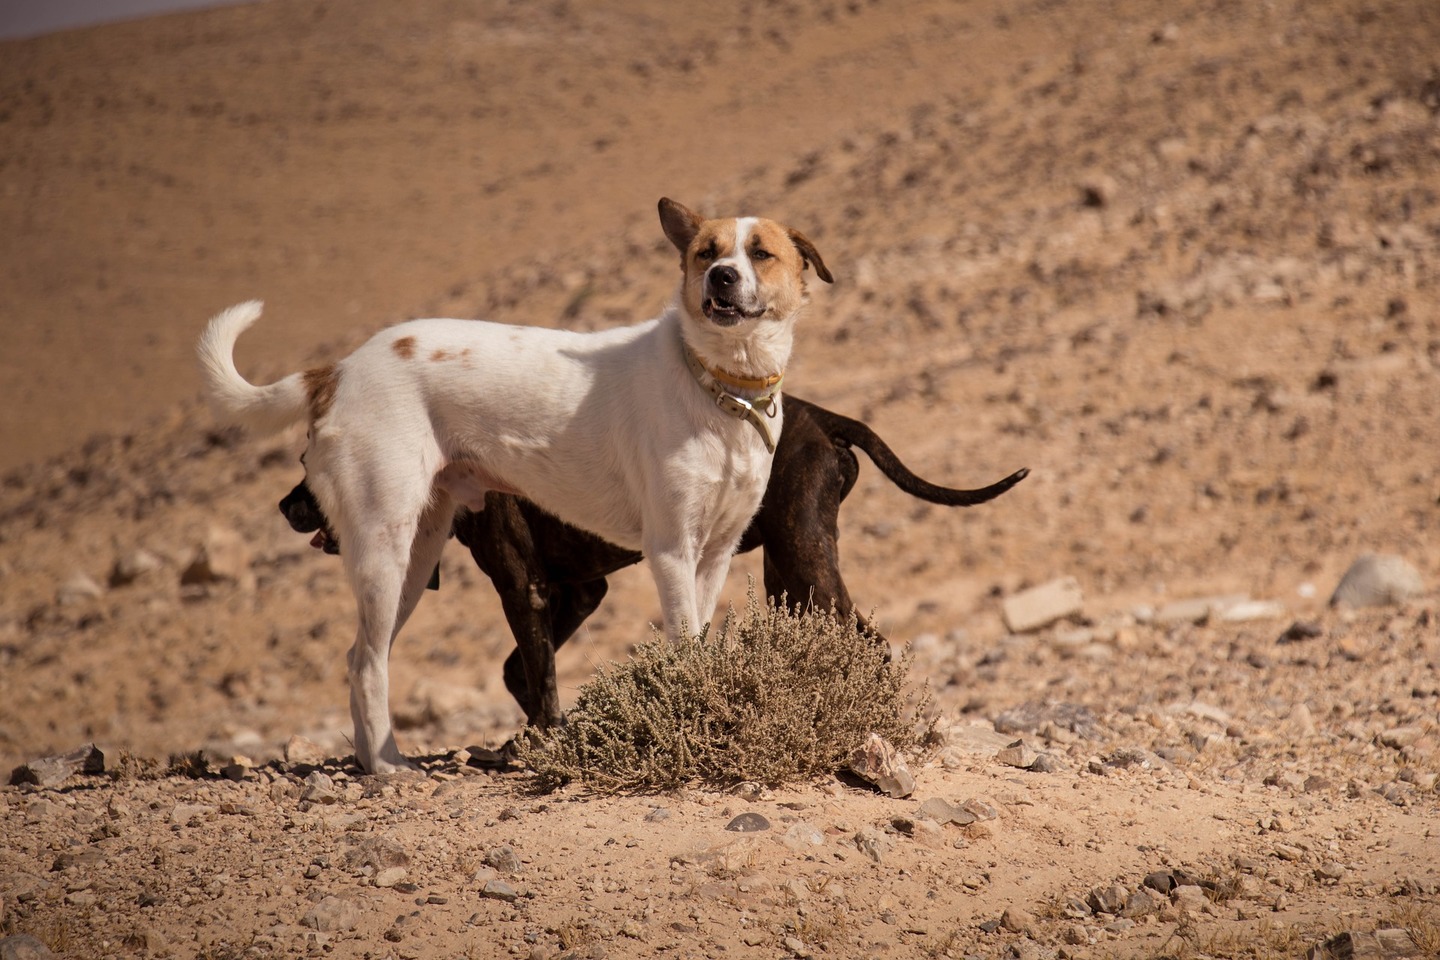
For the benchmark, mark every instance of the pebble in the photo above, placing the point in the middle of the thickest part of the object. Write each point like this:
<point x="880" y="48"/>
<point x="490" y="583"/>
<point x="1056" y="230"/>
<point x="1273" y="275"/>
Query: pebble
<point x="1141" y="903"/>
<point x="1398" y="738"/>
<point x="877" y="762"/>
<point x="1300" y="630"/>
<point x="657" y="815"/>
<point x="1249" y="610"/>
<point x="300" y="750"/>
<point x="1378" y="580"/>
<point x="1017" y="920"/>
<point x="503" y="860"/>
<point x="1042" y="605"/>
<point x="222" y="557"/>
<point x="749" y="822"/>
<point x="1190" y="898"/>
<point x="132" y="566"/>
<point x="22" y="946"/>
<point x="1046" y="719"/>
<point x="319" y="788"/>
<point x="1018" y="754"/>
<point x="802" y="837"/>
<point x="1109" y="899"/>
<point x="499" y="890"/>
<point x="796" y="947"/>
<point x="332" y="915"/>
<point x="52" y="771"/>
<point x="79" y="588"/>
<point x="872" y="843"/>
<point x="1383" y="944"/>
<point x="389" y="877"/>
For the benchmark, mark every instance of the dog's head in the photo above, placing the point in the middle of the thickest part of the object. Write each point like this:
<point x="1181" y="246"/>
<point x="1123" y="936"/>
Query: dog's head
<point x="739" y="270"/>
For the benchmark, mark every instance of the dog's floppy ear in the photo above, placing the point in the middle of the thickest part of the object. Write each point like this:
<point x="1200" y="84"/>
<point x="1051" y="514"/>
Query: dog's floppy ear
<point x="680" y="223"/>
<point x="811" y="255"/>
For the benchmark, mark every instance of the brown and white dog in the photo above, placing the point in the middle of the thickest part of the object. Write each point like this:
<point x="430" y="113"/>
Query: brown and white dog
<point x="657" y="437"/>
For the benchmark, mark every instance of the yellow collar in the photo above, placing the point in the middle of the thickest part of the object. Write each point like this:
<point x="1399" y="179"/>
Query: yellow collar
<point x="738" y="407"/>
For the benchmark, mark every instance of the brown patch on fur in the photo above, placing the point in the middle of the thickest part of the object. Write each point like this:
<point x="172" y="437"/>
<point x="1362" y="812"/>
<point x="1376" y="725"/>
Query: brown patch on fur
<point x="404" y="348"/>
<point x="320" y="384"/>
<point x="440" y="356"/>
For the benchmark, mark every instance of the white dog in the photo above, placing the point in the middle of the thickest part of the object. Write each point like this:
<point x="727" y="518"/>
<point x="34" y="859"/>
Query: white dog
<point x="657" y="437"/>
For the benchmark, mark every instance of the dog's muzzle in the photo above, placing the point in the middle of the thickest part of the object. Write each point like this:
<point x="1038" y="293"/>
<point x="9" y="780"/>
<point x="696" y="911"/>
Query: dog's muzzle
<point x="722" y="304"/>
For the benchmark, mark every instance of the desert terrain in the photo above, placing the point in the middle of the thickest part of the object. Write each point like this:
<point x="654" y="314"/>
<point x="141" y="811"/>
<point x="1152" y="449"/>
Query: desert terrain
<point x="1181" y="260"/>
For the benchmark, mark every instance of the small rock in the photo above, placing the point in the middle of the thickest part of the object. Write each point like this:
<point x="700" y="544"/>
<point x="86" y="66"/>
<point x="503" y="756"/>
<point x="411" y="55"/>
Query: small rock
<point x="1110" y="899"/>
<point x="332" y="915"/>
<point x="872" y="843"/>
<point x="1017" y="920"/>
<point x="52" y="771"/>
<point x="1018" y="754"/>
<point x="943" y="812"/>
<point x="22" y="946"/>
<point x="319" y="788"/>
<point x="1075" y="908"/>
<point x="1250" y="610"/>
<point x="299" y="750"/>
<point x="1141" y="903"/>
<point x="1042" y="605"/>
<point x="749" y="822"/>
<point x="1387" y="944"/>
<point x="499" y="890"/>
<point x="803" y="837"/>
<point x="133" y="566"/>
<point x="503" y="859"/>
<point x="657" y="815"/>
<point x="1398" y="738"/>
<point x="980" y="809"/>
<point x="1330" y="870"/>
<point x="796" y="947"/>
<point x="1048" y="763"/>
<point x="79" y="588"/>
<point x="1047" y="718"/>
<point x="881" y="764"/>
<point x="389" y="877"/>
<point x="221" y="558"/>
<point x="1190" y="898"/>
<point x="1161" y="881"/>
<point x="189" y="813"/>
<point x="1196" y="610"/>
<point x="974" y="739"/>
<point x="1377" y="580"/>
<point x="1300" y="630"/>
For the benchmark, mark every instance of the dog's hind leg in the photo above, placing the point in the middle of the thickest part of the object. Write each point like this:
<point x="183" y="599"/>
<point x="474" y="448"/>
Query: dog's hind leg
<point x="389" y="566"/>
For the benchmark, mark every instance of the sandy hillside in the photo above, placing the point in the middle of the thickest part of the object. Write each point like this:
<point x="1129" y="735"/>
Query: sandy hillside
<point x="1180" y="261"/>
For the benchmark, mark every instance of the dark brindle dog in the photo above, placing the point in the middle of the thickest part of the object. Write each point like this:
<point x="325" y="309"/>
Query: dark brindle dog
<point x="551" y="576"/>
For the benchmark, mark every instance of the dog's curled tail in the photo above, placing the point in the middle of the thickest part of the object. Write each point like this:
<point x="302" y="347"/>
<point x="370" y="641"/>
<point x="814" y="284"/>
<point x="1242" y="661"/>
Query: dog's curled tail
<point x="235" y="399"/>
<point x="844" y="430"/>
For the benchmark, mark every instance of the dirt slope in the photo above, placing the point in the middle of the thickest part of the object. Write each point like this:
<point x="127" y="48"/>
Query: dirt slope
<point x="1180" y="263"/>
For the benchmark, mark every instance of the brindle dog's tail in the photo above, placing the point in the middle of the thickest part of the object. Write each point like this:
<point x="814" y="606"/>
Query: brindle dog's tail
<point x="847" y="432"/>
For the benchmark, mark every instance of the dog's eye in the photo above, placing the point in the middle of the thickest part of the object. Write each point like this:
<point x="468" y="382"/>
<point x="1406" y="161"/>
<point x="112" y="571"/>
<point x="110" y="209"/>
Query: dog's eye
<point x="760" y="253"/>
<point x="706" y="253"/>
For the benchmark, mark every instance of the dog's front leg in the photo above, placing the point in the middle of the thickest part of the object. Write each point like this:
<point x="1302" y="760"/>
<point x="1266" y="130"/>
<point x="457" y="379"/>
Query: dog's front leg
<point x="674" y="568"/>
<point x="710" y="578"/>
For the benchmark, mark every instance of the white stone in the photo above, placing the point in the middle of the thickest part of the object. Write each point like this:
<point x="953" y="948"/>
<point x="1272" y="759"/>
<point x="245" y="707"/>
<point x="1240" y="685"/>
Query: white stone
<point x="1042" y="605"/>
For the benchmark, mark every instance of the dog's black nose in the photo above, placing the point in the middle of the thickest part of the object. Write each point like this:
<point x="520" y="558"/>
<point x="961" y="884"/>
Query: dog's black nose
<point x="724" y="276"/>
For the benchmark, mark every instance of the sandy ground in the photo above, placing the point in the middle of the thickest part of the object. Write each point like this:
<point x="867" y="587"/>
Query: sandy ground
<point x="1181" y="262"/>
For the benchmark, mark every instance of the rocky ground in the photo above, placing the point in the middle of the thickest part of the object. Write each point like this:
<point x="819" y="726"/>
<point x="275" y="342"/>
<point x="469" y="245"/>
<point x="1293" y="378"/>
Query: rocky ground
<point x="1181" y="263"/>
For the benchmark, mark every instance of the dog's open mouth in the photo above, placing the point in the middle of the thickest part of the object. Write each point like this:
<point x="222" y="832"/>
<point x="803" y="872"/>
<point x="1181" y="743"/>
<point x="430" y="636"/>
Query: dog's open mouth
<point x="727" y="314"/>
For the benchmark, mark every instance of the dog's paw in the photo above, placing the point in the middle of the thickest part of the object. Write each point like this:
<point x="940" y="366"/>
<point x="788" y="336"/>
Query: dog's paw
<point x="384" y="767"/>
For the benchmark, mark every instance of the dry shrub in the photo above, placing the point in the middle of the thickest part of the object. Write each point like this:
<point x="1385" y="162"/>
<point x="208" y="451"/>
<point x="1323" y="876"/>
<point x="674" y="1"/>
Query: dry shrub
<point x="776" y="697"/>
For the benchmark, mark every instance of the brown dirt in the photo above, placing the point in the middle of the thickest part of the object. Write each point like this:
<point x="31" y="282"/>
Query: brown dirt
<point x="1180" y="262"/>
